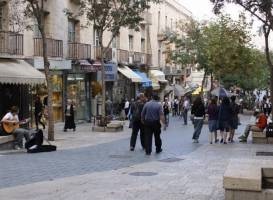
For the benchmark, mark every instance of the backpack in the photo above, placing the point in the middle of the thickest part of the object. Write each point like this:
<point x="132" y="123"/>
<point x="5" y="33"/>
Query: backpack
<point x="166" y="108"/>
<point x="137" y="110"/>
<point x="269" y="130"/>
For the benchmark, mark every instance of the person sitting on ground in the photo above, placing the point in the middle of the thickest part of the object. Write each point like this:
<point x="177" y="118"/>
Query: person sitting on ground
<point x="259" y="126"/>
<point x="11" y="120"/>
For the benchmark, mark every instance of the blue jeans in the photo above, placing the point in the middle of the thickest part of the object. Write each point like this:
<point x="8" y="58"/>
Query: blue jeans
<point x="198" y="124"/>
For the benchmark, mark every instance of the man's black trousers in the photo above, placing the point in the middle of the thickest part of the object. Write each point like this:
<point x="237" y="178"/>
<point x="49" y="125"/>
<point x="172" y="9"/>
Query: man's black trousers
<point x="137" y="126"/>
<point x="152" y="128"/>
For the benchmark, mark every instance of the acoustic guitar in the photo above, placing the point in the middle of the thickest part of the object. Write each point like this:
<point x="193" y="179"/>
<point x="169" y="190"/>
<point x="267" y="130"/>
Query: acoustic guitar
<point x="9" y="127"/>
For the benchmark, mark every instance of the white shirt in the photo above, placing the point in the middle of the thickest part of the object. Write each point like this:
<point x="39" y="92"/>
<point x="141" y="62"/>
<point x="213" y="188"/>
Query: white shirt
<point x="186" y="104"/>
<point x="10" y="117"/>
<point x="127" y="104"/>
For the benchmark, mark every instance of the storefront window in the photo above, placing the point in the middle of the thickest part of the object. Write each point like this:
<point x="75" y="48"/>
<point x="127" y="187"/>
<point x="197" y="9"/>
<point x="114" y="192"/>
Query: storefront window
<point x="76" y="93"/>
<point x="57" y="98"/>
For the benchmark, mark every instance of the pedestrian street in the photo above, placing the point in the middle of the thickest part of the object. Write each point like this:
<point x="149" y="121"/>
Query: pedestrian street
<point x="101" y="166"/>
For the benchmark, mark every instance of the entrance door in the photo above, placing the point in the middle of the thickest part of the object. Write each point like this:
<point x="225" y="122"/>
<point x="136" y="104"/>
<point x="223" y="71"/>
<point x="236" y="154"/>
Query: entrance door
<point x="76" y="93"/>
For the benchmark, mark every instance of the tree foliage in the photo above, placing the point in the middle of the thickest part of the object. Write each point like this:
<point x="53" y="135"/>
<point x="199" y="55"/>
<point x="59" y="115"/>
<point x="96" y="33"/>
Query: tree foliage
<point x="262" y="10"/>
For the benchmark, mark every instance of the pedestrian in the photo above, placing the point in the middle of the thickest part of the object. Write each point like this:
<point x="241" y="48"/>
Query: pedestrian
<point x="224" y="119"/>
<point x="166" y="111"/>
<point x="137" y="125"/>
<point x="234" y="120"/>
<point x="69" y="116"/>
<point x="38" y="112"/>
<point x="213" y="119"/>
<point x="126" y="108"/>
<point x="198" y="112"/>
<point x="152" y="116"/>
<point x="260" y="125"/>
<point x="186" y="107"/>
<point x="109" y="107"/>
<point x="175" y="107"/>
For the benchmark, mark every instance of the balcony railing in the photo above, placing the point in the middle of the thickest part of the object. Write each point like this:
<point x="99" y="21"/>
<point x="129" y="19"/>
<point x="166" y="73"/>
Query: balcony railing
<point x="108" y="53"/>
<point x="79" y="51"/>
<point x="11" y="43"/>
<point x="122" y="56"/>
<point x="54" y="47"/>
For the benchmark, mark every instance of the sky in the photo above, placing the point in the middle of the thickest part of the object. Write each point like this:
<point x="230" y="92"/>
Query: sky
<point x="202" y="10"/>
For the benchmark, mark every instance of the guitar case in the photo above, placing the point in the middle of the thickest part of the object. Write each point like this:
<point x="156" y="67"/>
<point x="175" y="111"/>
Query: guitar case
<point x="35" y="144"/>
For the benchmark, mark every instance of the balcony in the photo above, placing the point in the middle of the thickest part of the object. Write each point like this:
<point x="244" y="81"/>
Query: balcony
<point x="54" y="47"/>
<point x="79" y="51"/>
<point x="11" y="44"/>
<point x="123" y="56"/>
<point x="108" y="53"/>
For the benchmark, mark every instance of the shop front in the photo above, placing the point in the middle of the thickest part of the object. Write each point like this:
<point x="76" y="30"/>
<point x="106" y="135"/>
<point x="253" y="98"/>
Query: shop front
<point x="58" y="69"/>
<point x="78" y="87"/>
<point x="126" y="85"/>
<point x="17" y="77"/>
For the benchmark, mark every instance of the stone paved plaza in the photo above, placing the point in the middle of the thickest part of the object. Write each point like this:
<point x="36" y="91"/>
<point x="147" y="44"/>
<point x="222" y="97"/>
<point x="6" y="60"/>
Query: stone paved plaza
<point x="91" y="165"/>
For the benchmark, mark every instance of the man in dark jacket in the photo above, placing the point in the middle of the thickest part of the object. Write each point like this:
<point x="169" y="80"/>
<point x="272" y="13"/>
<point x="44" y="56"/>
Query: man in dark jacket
<point x="136" y="109"/>
<point x="151" y="116"/>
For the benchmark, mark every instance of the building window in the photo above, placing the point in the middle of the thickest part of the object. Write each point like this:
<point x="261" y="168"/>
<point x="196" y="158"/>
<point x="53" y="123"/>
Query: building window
<point x="96" y="38"/>
<point x="1" y="18"/>
<point x="71" y="30"/>
<point x="158" y="19"/>
<point x="143" y="45"/>
<point x="131" y="42"/>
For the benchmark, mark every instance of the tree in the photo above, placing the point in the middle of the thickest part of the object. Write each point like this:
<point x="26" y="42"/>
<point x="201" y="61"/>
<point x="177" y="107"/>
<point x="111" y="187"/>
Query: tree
<point x="111" y="15"/>
<point x="252" y="73"/>
<point x="188" y="46"/>
<point x="216" y="46"/>
<point x="35" y="11"/>
<point x="262" y="10"/>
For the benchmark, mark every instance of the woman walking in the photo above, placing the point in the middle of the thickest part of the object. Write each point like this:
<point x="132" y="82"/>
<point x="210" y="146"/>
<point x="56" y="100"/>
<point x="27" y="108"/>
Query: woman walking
<point x="213" y="119"/>
<point x="69" y="117"/>
<point x="38" y="112"/>
<point x="198" y="112"/>
<point x="224" y="119"/>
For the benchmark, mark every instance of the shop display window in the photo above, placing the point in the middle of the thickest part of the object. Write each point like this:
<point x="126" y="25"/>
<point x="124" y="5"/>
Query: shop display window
<point x="76" y="93"/>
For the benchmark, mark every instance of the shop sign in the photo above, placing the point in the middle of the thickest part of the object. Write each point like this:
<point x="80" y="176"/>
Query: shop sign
<point x="88" y="67"/>
<point x="110" y="72"/>
<point x="54" y="64"/>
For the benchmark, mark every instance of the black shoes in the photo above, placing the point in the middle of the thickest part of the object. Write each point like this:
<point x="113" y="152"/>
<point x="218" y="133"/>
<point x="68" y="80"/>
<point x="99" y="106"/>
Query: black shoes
<point x="158" y="151"/>
<point x="132" y="148"/>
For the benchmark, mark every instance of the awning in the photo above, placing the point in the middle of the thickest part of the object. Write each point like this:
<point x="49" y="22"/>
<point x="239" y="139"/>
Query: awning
<point x="15" y="71"/>
<point x="130" y="74"/>
<point x="159" y="75"/>
<point x="155" y="85"/>
<point x="146" y="82"/>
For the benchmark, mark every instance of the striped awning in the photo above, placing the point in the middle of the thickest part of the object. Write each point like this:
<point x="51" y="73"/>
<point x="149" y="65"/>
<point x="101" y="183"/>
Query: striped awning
<point x="15" y="71"/>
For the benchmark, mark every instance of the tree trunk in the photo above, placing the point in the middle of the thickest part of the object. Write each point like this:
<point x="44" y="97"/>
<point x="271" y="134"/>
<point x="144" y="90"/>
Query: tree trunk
<point x="102" y="75"/>
<point x="269" y="62"/>
<point x="49" y="81"/>
<point x="203" y="83"/>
